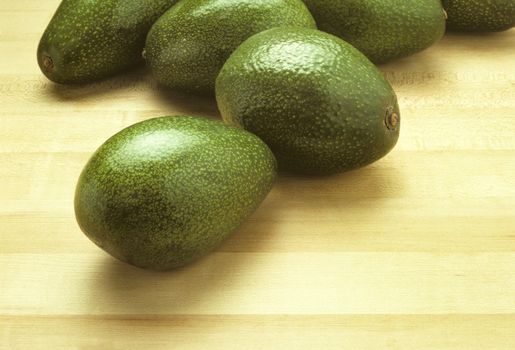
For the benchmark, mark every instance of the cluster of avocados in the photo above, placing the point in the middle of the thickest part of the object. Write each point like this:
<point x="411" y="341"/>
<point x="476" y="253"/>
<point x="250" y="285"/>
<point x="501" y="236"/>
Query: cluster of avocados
<point x="166" y="191"/>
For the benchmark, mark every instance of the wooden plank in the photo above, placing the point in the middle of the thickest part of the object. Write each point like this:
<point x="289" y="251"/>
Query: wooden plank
<point x="262" y="283"/>
<point x="420" y="176"/>
<point x="456" y="225"/>
<point x="414" y="252"/>
<point x="259" y="332"/>
<point x="46" y="6"/>
<point x="84" y="130"/>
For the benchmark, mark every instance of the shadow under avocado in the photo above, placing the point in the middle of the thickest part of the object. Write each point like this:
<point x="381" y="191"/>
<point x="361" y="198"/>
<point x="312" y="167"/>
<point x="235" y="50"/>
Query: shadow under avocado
<point x="124" y="289"/>
<point x="205" y="286"/>
<point x="138" y="80"/>
<point x="339" y="208"/>
<point x="187" y="103"/>
<point x="474" y="40"/>
<point x="373" y="182"/>
<point x="133" y="80"/>
<point x="427" y="71"/>
<point x="421" y="69"/>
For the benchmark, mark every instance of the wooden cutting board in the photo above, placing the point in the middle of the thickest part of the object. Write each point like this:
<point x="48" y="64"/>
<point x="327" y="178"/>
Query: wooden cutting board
<point x="414" y="252"/>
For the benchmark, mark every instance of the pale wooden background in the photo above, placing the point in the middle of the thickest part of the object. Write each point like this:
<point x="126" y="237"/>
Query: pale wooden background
<point x="414" y="252"/>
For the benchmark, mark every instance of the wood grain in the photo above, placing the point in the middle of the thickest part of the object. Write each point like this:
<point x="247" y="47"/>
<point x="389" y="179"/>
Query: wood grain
<point x="256" y="332"/>
<point x="416" y="251"/>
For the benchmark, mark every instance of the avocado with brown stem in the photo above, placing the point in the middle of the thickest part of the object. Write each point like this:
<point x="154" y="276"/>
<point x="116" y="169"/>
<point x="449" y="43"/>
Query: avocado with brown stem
<point x="90" y="40"/>
<point x="319" y="104"/>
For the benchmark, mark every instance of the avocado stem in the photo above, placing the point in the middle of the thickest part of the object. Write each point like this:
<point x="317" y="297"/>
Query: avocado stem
<point x="48" y="63"/>
<point x="391" y="119"/>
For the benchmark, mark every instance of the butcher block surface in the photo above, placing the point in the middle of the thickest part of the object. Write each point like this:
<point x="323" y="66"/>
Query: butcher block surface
<point x="416" y="251"/>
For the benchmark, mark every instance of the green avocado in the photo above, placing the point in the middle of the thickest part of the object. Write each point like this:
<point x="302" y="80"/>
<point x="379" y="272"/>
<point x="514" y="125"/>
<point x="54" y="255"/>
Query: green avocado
<point x="188" y="45"/>
<point x="480" y="15"/>
<point x="164" y="192"/>
<point x="382" y="29"/>
<point x="90" y="40"/>
<point x="319" y="104"/>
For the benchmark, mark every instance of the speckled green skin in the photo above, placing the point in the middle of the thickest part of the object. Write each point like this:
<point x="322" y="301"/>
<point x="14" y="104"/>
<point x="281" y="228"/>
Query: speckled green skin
<point x="187" y="47"/>
<point x="166" y="191"/>
<point x="314" y="99"/>
<point x="480" y="15"/>
<point x="89" y="40"/>
<point x="382" y="29"/>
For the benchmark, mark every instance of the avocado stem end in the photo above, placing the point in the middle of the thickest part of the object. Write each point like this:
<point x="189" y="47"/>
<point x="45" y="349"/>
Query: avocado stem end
<point x="391" y="119"/>
<point x="48" y="63"/>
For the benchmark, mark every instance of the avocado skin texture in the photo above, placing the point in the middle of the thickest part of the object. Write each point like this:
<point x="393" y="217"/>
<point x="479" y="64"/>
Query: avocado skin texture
<point x="90" y="40"/>
<point x="319" y="104"/>
<point x="164" y="192"/>
<point x="187" y="46"/>
<point x="480" y="15"/>
<point x="382" y="29"/>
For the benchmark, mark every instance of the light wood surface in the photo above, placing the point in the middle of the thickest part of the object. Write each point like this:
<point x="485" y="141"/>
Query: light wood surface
<point x="414" y="252"/>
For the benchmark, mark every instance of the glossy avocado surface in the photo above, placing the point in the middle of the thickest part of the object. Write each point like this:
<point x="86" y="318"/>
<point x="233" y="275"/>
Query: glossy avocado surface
<point x="166" y="191"/>
<point x="480" y="15"/>
<point x="320" y="104"/>
<point x="188" y="45"/>
<point x="383" y="30"/>
<point x="90" y="40"/>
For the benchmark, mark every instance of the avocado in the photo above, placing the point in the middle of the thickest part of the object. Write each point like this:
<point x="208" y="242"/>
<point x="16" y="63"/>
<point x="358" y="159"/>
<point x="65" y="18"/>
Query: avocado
<point x="164" y="192"/>
<point x="480" y="15"/>
<point x="319" y="104"/>
<point x="382" y="29"/>
<point x="188" y="45"/>
<point x="90" y="40"/>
